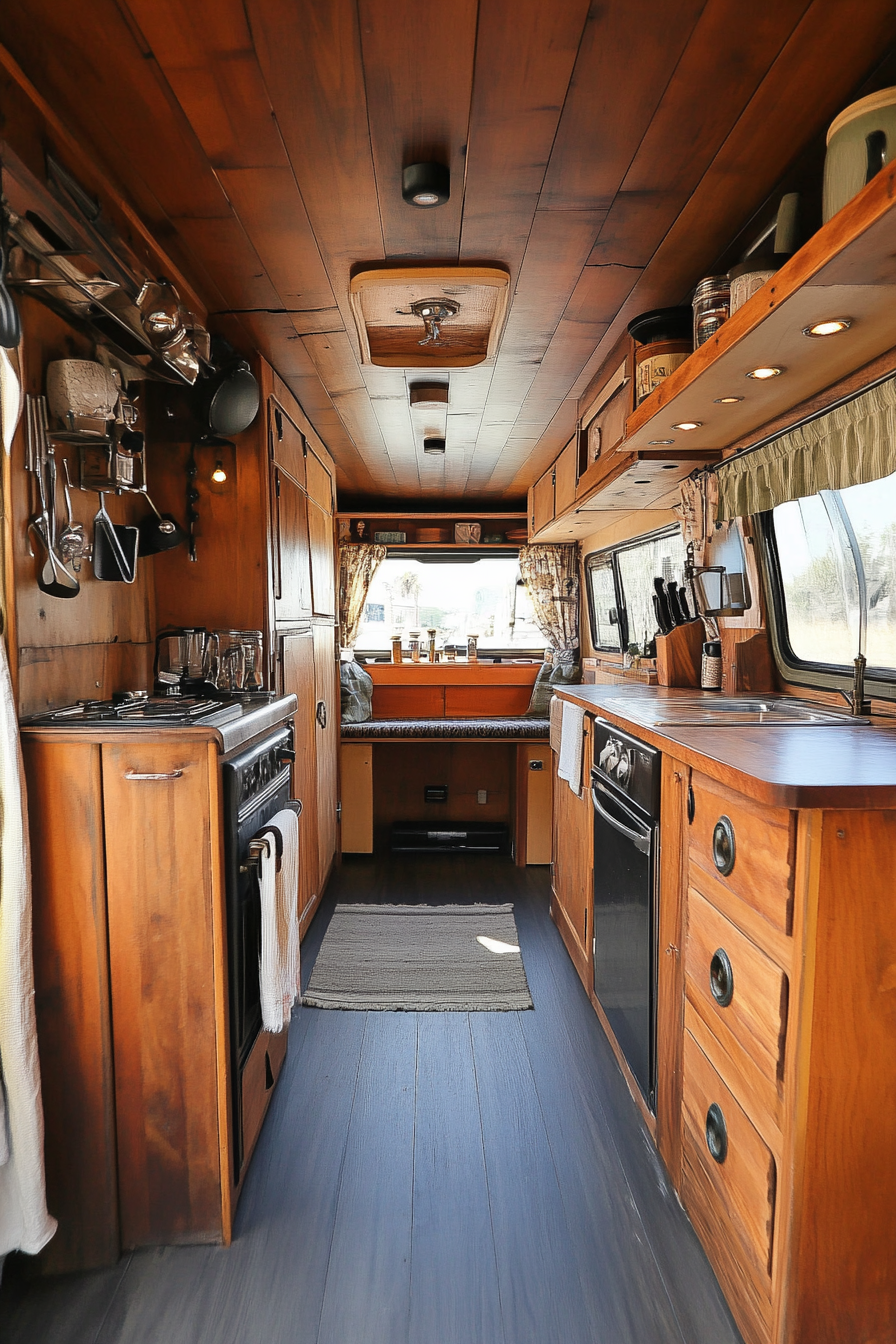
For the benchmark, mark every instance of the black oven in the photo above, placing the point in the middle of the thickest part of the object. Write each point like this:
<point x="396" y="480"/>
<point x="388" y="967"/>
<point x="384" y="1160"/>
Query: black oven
<point x="256" y="786"/>
<point x="625" y="790"/>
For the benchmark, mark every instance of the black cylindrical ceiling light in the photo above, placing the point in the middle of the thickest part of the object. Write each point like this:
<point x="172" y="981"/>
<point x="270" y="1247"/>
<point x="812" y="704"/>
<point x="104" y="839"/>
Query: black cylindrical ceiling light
<point x="434" y="446"/>
<point x="425" y="184"/>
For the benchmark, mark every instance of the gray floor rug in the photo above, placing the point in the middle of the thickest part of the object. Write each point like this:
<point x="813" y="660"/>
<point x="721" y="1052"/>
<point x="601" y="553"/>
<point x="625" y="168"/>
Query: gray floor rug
<point x="420" y="958"/>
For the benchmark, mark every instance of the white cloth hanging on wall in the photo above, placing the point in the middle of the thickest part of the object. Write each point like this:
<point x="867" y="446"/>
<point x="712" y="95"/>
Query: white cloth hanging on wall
<point x="25" y="1224"/>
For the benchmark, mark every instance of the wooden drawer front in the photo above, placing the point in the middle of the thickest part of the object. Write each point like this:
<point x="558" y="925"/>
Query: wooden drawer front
<point x="759" y="843"/>
<point x="720" y="960"/>
<point x="731" y="1202"/>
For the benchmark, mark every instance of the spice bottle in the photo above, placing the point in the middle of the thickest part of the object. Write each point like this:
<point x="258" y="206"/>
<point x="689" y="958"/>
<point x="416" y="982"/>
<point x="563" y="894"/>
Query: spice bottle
<point x="414" y="645"/>
<point x="711" y="666"/>
<point x="396" y="649"/>
<point x="472" y="648"/>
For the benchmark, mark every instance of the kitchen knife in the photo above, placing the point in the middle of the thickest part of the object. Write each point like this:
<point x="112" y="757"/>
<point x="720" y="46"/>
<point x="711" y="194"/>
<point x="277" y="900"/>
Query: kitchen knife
<point x="661" y="606"/>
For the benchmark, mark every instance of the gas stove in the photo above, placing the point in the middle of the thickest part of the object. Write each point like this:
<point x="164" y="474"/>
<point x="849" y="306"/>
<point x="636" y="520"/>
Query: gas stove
<point x="134" y="707"/>
<point x="234" y="721"/>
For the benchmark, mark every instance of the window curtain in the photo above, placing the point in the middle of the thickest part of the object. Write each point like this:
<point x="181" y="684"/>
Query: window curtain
<point x="551" y="575"/>
<point x="357" y="565"/>
<point x="850" y="445"/>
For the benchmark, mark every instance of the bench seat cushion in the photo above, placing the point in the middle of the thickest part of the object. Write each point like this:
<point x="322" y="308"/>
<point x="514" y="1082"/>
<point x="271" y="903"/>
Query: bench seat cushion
<point x="489" y="728"/>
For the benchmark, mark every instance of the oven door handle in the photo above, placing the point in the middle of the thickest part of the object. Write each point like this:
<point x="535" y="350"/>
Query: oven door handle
<point x="641" y="842"/>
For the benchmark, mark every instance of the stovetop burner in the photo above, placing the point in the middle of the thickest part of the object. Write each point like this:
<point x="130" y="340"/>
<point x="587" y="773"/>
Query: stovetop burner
<point x="143" y="709"/>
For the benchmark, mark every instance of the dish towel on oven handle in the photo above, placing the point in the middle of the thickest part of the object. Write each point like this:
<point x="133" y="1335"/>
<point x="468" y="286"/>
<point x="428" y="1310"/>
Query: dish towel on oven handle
<point x="572" y="736"/>
<point x="278" y="881"/>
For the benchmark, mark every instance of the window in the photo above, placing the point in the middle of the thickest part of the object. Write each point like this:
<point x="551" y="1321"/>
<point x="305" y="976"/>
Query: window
<point x="619" y="584"/>
<point x="458" y="595"/>
<point x="817" y="582"/>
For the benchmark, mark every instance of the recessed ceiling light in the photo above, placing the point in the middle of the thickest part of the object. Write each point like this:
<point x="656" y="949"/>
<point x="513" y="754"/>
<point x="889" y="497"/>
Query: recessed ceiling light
<point x="828" y="328"/>
<point x="766" y="371"/>
<point x="726" y="401"/>
<point x="656" y="443"/>
<point x="689" y="424"/>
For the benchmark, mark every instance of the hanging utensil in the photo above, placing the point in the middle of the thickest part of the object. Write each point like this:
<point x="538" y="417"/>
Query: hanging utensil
<point x="53" y="579"/>
<point x="10" y="323"/>
<point x="161" y="533"/>
<point x="73" y="545"/>
<point x="115" y="548"/>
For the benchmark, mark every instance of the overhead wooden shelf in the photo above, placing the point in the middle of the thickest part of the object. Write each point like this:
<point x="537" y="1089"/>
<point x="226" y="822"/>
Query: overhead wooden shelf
<point x="847" y="269"/>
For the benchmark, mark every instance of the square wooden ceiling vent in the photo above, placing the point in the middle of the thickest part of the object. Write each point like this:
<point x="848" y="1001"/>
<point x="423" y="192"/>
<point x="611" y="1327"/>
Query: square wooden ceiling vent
<point x="473" y="300"/>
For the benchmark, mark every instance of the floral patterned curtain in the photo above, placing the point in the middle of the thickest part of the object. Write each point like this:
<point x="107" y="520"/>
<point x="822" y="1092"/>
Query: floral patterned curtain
<point x="551" y="575"/>
<point x="357" y="565"/>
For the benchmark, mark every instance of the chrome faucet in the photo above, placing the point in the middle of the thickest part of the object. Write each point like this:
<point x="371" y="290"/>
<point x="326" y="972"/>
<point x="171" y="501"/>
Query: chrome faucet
<point x="855" y="698"/>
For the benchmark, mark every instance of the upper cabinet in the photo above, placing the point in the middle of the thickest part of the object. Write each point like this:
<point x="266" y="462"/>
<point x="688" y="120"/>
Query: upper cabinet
<point x="320" y="535"/>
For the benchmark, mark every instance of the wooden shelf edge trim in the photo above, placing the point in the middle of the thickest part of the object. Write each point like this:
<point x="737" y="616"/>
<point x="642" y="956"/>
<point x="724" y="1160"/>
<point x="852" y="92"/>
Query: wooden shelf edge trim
<point x="863" y="211"/>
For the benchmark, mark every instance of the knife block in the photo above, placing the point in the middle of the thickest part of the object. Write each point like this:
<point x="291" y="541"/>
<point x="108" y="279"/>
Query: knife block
<point x="678" y="655"/>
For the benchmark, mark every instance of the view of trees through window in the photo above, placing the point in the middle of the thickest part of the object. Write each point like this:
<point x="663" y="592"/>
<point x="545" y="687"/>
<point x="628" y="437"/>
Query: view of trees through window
<point x="819" y="581"/>
<point x="457" y="597"/>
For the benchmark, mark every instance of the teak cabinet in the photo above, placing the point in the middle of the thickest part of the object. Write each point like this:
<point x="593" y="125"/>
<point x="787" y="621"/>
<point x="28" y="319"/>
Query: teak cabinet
<point x="266" y="560"/>
<point x="131" y="993"/>
<point x="776" y="1107"/>
<point x="788" y="1091"/>
<point x="571" y="880"/>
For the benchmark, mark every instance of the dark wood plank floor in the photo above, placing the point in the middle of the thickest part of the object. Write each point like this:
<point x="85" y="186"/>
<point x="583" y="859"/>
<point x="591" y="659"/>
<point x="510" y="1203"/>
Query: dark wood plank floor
<point x="431" y="1178"/>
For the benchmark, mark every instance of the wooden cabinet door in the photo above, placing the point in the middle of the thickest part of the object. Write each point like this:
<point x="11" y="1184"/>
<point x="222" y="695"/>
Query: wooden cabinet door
<point x="326" y="718"/>
<point x="297" y="678"/>
<point x="323" y="576"/>
<point x="166" y="934"/>
<point x="543" y="501"/>
<point x="287" y="442"/>
<point x="292" y="568"/>
<point x="565" y="475"/>
<point x="573" y="872"/>
<point x="318" y="481"/>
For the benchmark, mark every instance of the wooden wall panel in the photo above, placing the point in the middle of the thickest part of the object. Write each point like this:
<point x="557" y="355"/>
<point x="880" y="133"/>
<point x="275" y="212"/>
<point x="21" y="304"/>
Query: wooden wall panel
<point x="465" y="767"/>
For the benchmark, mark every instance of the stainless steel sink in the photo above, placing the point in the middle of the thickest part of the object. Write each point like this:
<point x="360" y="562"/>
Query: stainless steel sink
<point x="729" y="711"/>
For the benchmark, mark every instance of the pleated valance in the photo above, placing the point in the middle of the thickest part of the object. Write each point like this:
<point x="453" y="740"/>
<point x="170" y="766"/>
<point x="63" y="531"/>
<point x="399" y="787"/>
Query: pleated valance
<point x="850" y="445"/>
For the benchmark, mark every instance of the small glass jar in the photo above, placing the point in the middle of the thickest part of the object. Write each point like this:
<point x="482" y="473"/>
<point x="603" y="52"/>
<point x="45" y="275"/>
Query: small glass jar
<point x="396" y="649"/>
<point x="472" y="648"/>
<point x="712" y="306"/>
<point x="414" y="645"/>
<point x="432" y="644"/>
<point x="451" y="653"/>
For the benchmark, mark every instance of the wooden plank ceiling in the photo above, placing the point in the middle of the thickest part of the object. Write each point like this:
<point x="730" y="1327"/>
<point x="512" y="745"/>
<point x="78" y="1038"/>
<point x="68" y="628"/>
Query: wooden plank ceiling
<point x="606" y="154"/>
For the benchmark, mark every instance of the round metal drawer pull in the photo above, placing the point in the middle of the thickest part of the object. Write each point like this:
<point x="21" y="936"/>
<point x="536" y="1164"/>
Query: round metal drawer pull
<point x="721" y="978"/>
<point x="716" y="1134"/>
<point x="723" y="846"/>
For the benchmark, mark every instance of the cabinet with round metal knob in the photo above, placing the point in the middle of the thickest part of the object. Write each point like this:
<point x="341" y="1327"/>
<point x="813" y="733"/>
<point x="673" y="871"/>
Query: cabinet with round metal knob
<point x="724" y="847"/>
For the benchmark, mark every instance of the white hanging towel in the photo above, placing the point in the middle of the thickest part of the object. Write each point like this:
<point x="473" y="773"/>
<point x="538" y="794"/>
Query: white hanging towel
<point x="25" y="1224"/>
<point x="572" y="734"/>
<point x="279" y="971"/>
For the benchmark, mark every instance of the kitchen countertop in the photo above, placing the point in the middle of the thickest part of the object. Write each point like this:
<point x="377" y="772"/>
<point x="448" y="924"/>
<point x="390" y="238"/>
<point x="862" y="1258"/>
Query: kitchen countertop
<point x="842" y="766"/>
